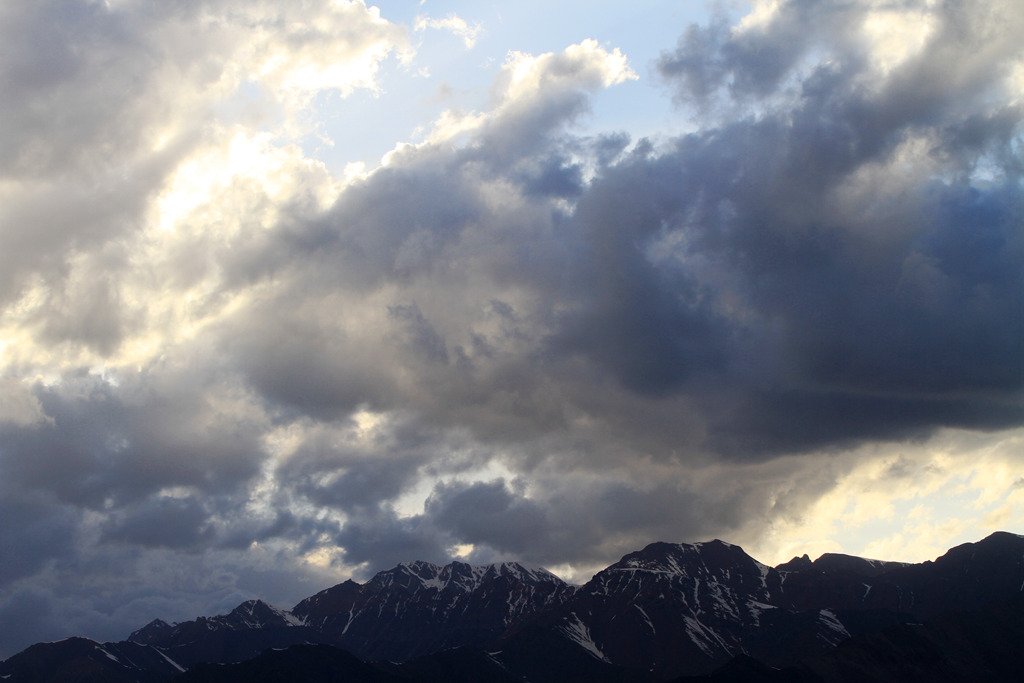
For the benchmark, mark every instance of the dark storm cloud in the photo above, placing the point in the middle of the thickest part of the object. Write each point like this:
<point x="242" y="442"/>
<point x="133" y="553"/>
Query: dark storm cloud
<point x="754" y="63"/>
<point x="353" y="474"/>
<point x="166" y="523"/>
<point x="645" y="321"/>
<point x="383" y="540"/>
<point x="302" y="365"/>
<point x="899" y="311"/>
<point x="33" y="612"/>
<point x="100" y="444"/>
<point x="552" y="177"/>
<point x="583" y="523"/>
<point x="34" y="533"/>
<point x="490" y="514"/>
<point x="421" y="227"/>
<point x="393" y="228"/>
<point x="775" y="278"/>
<point x="421" y="339"/>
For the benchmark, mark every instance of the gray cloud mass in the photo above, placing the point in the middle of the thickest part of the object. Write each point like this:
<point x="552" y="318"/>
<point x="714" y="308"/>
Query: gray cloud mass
<point x="546" y="345"/>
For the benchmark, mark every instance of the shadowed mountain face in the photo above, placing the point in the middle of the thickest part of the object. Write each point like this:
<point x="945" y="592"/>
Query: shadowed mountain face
<point x="966" y="577"/>
<point x="665" y="611"/>
<point x="679" y="608"/>
<point x="419" y="608"/>
<point x="86" y="661"/>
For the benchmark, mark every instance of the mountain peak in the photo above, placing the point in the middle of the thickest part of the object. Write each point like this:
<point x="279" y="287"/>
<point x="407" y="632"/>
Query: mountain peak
<point x="456" y="576"/>
<point x="685" y="558"/>
<point x="519" y="572"/>
<point x="702" y="575"/>
<point x="1003" y="539"/>
<point x="153" y="632"/>
<point x="258" y="614"/>
<point x="797" y="564"/>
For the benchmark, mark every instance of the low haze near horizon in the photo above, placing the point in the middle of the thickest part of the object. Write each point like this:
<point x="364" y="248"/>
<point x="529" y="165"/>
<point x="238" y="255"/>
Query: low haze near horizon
<point x="290" y="293"/>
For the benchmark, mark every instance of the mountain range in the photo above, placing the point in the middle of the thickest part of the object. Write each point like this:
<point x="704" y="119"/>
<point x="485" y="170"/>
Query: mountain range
<point x="668" y="612"/>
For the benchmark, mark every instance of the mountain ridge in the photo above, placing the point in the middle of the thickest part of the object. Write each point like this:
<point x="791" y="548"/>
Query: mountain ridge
<point x="664" y="611"/>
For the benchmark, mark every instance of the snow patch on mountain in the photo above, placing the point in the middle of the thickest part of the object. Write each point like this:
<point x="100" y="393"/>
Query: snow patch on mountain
<point x="579" y="633"/>
<point x="459" y="576"/>
<point x="647" y="619"/>
<point x="170" y="661"/>
<point x="755" y="609"/>
<point x="709" y="642"/>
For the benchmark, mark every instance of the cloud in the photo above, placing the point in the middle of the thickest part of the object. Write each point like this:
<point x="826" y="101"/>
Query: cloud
<point x="165" y="522"/>
<point x="489" y="513"/>
<point x="42" y="534"/>
<point x="106" y="101"/>
<point x="512" y="335"/>
<point x="386" y="540"/>
<point x="454" y="23"/>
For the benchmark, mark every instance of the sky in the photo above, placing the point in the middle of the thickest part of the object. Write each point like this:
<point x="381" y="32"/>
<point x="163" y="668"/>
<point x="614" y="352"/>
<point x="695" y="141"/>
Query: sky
<point x="293" y="292"/>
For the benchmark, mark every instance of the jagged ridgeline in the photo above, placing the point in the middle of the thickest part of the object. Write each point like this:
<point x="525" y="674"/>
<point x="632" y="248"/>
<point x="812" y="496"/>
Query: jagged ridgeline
<point x="667" y="612"/>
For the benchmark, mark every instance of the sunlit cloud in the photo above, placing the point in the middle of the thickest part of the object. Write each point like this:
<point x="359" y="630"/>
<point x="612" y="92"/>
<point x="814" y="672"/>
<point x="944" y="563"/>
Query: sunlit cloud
<point x="457" y="25"/>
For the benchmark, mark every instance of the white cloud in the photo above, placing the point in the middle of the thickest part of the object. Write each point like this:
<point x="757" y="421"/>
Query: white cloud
<point x="895" y="36"/>
<point x="582" y="65"/>
<point x="297" y="53"/>
<point x="454" y="23"/>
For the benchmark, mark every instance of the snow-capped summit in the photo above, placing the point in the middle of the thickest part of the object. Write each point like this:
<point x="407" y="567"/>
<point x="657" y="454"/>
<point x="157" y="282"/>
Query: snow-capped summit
<point x="692" y="569"/>
<point x="456" y="576"/>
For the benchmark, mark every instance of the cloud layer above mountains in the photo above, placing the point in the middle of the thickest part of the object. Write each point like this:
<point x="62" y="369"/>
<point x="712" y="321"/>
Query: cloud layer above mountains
<point x="227" y="370"/>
